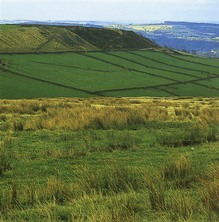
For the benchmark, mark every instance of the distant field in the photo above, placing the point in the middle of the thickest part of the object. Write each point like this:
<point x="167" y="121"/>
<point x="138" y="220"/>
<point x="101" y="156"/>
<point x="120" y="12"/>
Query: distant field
<point x="150" y="28"/>
<point x="198" y="38"/>
<point x="116" y="73"/>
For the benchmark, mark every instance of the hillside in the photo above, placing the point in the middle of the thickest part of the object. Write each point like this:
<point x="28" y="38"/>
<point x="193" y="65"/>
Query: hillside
<point x="117" y="73"/>
<point x="89" y="62"/>
<point x="38" y="38"/>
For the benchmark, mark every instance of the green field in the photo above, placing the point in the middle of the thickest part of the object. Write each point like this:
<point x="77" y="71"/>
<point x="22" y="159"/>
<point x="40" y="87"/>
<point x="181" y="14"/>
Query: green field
<point x="109" y="159"/>
<point x="115" y="73"/>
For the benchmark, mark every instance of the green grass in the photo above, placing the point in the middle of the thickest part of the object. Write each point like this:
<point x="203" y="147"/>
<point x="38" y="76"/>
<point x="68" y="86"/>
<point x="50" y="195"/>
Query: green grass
<point x="155" y="166"/>
<point x="47" y="164"/>
<point x="165" y="66"/>
<point x="138" y="92"/>
<point x="189" y="63"/>
<point x="195" y="90"/>
<point x="119" y="73"/>
<point x="17" y="87"/>
<point x="79" y="78"/>
<point x="197" y="59"/>
<point x="38" y="38"/>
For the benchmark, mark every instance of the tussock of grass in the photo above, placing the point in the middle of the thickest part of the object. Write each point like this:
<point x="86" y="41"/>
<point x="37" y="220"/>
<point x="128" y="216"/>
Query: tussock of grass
<point x="111" y="180"/>
<point x="155" y="187"/>
<point x="3" y="118"/>
<point x="210" y="191"/>
<point x="112" y="114"/>
<point x="122" y="141"/>
<point x="182" y="207"/>
<point x="211" y="196"/>
<point x="57" y="191"/>
<point x="5" y="161"/>
<point x="179" y="171"/>
<point x="18" y="125"/>
<point x="188" y="135"/>
<point x="125" y="208"/>
<point x="115" y="193"/>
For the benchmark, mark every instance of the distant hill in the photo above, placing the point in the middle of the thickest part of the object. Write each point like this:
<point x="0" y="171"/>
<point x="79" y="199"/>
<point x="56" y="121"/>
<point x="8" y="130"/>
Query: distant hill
<point x="196" y="38"/>
<point x="39" y="38"/>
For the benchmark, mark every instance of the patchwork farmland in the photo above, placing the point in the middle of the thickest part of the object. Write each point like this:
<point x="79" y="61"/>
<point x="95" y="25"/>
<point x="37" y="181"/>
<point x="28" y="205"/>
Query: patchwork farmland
<point x="114" y="73"/>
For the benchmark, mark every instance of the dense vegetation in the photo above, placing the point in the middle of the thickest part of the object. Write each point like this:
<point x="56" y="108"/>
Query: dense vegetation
<point x="33" y="38"/>
<point x="114" y="73"/>
<point x="105" y="159"/>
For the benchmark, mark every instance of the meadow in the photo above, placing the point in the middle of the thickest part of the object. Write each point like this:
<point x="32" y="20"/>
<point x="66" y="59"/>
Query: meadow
<point x="69" y="151"/>
<point x="109" y="159"/>
<point x="152" y="72"/>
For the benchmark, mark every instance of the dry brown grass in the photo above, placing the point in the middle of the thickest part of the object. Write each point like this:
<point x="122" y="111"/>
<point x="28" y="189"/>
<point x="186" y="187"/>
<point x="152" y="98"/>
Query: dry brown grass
<point x="210" y="190"/>
<point x="104" y="113"/>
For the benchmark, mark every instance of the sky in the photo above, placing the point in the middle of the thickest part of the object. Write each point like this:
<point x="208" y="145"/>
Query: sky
<point x="111" y="10"/>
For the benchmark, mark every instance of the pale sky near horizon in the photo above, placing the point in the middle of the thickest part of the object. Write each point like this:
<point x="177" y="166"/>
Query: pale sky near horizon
<point x="111" y="10"/>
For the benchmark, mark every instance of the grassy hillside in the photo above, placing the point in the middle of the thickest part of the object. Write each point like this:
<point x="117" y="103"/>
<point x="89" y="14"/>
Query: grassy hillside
<point x="95" y="160"/>
<point x="20" y="38"/>
<point x="114" y="73"/>
<point x="94" y="65"/>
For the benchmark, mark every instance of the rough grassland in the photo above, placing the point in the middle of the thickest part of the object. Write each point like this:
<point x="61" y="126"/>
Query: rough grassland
<point x="38" y="38"/>
<point x="105" y="159"/>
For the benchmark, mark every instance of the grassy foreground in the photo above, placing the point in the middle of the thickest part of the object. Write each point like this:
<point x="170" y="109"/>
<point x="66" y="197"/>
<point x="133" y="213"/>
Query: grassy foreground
<point x="106" y="159"/>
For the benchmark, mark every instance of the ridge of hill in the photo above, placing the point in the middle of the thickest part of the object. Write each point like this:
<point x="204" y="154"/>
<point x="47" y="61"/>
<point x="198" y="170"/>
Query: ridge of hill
<point x="38" y="38"/>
